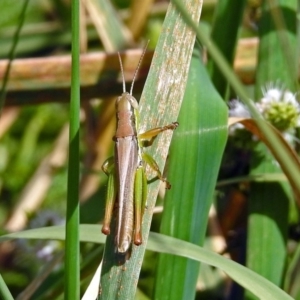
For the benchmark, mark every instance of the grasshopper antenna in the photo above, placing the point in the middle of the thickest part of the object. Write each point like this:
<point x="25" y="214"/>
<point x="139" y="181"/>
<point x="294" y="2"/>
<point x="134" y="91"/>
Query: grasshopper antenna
<point x="122" y="71"/>
<point x="138" y="66"/>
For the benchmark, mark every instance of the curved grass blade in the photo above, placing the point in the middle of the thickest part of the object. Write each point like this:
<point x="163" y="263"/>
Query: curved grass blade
<point x="292" y="275"/>
<point x="4" y="291"/>
<point x="227" y="19"/>
<point x="269" y="201"/>
<point x="12" y="54"/>
<point x="252" y="126"/>
<point x="277" y="30"/>
<point x="258" y="285"/>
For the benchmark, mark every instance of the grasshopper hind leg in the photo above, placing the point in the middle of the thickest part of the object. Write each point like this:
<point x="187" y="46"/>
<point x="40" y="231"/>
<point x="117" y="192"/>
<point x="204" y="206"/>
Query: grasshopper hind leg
<point x="140" y="194"/>
<point x="140" y="197"/>
<point x="109" y="170"/>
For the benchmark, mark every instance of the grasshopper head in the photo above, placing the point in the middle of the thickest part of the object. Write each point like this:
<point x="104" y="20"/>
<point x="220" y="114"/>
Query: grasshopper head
<point x="125" y="107"/>
<point x="126" y="102"/>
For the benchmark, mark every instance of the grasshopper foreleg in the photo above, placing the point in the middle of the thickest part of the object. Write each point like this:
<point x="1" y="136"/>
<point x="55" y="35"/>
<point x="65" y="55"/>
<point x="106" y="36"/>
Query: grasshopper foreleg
<point x="108" y="166"/>
<point x="150" y="161"/>
<point x="147" y="138"/>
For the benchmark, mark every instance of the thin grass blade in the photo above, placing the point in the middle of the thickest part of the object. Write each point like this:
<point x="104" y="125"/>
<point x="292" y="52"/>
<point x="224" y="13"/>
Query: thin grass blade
<point x="72" y="269"/>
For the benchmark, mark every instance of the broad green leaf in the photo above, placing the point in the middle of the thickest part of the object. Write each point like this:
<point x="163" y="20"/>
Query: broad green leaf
<point x="195" y="157"/>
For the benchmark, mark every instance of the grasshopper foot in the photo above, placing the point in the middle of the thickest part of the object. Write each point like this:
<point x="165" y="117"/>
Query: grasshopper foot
<point x="105" y="229"/>
<point x="138" y="239"/>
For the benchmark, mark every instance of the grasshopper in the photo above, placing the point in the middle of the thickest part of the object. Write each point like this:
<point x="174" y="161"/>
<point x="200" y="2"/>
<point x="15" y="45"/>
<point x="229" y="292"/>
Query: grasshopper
<point x="127" y="182"/>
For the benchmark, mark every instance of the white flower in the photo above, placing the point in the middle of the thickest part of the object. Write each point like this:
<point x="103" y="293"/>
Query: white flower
<point x="238" y="109"/>
<point x="280" y="107"/>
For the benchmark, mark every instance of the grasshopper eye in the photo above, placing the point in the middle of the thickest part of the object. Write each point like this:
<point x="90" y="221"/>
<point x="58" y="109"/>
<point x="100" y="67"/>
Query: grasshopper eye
<point x="133" y="102"/>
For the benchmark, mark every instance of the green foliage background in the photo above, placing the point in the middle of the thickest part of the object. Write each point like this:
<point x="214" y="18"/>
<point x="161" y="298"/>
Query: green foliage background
<point x="255" y="221"/>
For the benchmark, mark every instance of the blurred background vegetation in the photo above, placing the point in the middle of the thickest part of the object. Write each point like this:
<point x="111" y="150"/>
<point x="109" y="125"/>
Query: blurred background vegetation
<point x="34" y="138"/>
